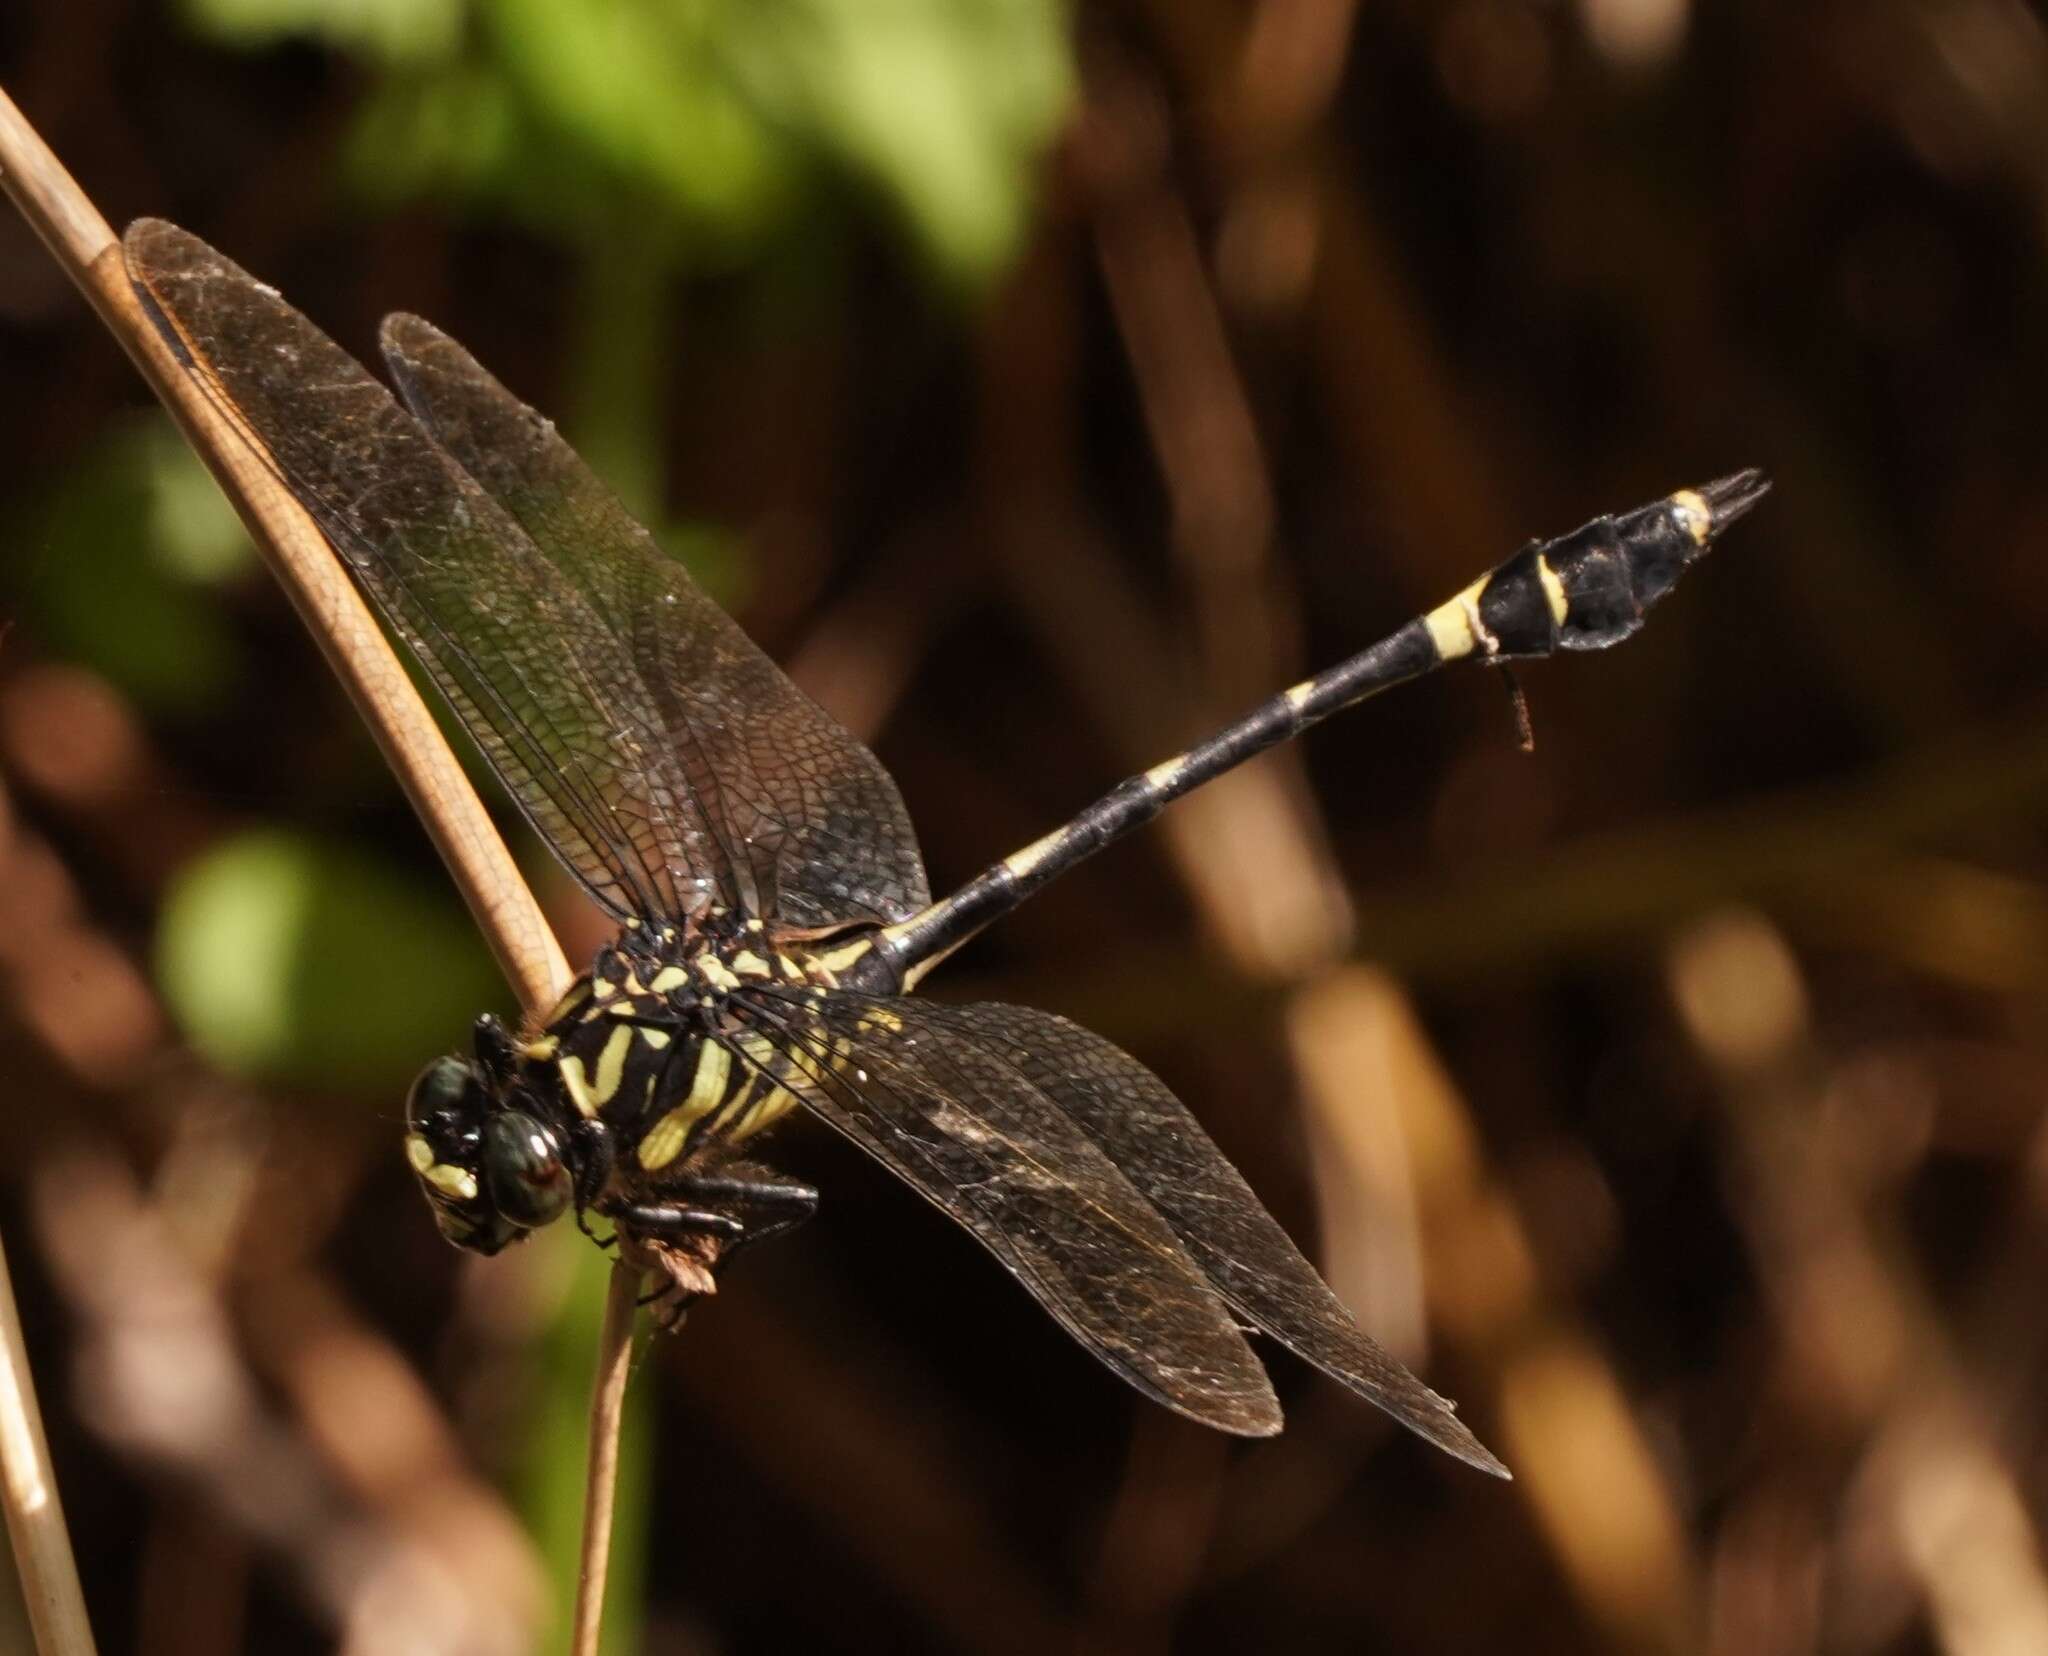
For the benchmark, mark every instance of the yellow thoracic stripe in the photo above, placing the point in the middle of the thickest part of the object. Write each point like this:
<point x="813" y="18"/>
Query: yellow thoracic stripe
<point x="576" y="1085"/>
<point x="774" y="1103"/>
<point x="611" y="1064"/>
<point x="664" y="1140"/>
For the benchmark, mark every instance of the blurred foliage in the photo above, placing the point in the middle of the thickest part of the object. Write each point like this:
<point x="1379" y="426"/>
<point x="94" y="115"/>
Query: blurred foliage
<point x="1703" y="1217"/>
<point x="126" y="545"/>
<point x="289" y="960"/>
<point x="724" y="121"/>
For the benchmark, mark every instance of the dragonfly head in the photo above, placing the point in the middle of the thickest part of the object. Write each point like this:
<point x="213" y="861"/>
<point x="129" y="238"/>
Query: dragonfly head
<point x="490" y="1171"/>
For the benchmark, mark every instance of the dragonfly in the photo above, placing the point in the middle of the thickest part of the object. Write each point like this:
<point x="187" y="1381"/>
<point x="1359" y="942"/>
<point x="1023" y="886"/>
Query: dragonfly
<point x="772" y="904"/>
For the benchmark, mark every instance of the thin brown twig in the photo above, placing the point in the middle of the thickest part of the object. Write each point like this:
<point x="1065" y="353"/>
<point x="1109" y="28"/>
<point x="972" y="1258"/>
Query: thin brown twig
<point x="601" y="1476"/>
<point x="35" y="1517"/>
<point x="85" y="247"/>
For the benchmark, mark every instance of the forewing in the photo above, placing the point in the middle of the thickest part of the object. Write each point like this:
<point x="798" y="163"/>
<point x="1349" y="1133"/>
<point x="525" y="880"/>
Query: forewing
<point x="811" y="820"/>
<point x="1162" y="1150"/>
<point x="970" y="1133"/>
<point x="530" y="665"/>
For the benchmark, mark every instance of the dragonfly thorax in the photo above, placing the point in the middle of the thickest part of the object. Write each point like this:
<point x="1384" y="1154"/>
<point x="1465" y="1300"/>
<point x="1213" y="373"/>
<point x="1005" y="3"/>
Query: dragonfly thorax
<point x="648" y="1067"/>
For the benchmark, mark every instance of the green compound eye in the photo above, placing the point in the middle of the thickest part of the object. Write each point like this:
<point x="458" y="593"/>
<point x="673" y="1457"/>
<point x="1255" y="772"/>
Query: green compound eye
<point x="523" y="1170"/>
<point x="443" y="1086"/>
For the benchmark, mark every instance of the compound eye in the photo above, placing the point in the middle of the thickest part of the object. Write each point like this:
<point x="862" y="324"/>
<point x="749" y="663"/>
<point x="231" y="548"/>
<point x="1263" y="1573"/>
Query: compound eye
<point x="523" y="1169"/>
<point x="441" y="1089"/>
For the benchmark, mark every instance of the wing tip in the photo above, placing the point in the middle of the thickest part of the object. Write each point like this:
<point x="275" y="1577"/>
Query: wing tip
<point x="143" y="232"/>
<point x="1434" y="1418"/>
<point x="1257" y="1415"/>
<point x="408" y="332"/>
<point x="1460" y="1443"/>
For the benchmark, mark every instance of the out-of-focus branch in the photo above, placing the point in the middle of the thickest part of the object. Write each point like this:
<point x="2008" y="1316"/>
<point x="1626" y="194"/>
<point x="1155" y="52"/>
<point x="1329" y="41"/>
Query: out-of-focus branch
<point x="83" y="244"/>
<point x="35" y="1515"/>
<point x="601" y="1474"/>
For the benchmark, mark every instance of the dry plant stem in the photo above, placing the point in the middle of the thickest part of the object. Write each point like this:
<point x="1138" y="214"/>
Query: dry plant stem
<point x="35" y="1517"/>
<point x="84" y="245"/>
<point x="601" y="1476"/>
<point x="490" y="883"/>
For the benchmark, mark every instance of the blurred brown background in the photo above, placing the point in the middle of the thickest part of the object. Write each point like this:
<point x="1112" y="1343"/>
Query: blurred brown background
<point x="1041" y="385"/>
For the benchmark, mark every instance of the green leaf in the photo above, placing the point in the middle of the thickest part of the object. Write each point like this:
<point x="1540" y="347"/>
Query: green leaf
<point x="944" y="104"/>
<point x="711" y="125"/>
<point x="387" y="31"/>
<point x="117" y="554"/>
<point x="286" y="959"/>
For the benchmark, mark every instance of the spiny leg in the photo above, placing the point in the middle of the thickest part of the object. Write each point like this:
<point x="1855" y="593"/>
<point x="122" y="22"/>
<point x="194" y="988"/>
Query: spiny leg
<point x="750" y="1207"/>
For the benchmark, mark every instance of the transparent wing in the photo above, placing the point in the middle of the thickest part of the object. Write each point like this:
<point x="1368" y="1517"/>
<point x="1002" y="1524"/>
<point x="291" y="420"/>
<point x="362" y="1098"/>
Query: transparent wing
<point x="970" y="1133"/>
<point x="1162" y="1149"/>
<point x="814" y="827"/>
<point x="540" y="670"/>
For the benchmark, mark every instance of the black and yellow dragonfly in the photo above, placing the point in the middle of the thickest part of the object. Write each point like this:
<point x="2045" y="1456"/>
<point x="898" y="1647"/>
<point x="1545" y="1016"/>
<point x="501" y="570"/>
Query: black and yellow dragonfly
<point x="773" y="906"/>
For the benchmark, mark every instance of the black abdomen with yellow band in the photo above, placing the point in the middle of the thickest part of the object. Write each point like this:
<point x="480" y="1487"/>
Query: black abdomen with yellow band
<point x="1582" y="591"/>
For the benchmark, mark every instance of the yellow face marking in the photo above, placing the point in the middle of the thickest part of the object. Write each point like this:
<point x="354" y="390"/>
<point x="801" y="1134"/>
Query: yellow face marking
<point x="669" y="977"/>
<point x="1694" y="515"/>
<point x="1298" y="695"/>
<point x="1021" y="863"/>
<point x="604" y="989"/>
<point x="1162" y="774"/>
<point x="657" y="1039"/>
<point x="749" y="964"/>
<point x="713" y="971"/>
<point x="540" y="1050"/>
<point x="1553" y="589"/>
<point x="419" y="1152"/>
<point x="574" y="1084"/>
<point x="611" y="1064"/>
<point x="1453" y="625"/>
<point x="458" y="1182"/>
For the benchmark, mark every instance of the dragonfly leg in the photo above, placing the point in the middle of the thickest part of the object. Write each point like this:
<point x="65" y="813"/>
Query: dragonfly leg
<point x="672" y="1221"/>
<point x="767" y="1203"/>
<point x="738" y="1207"/>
